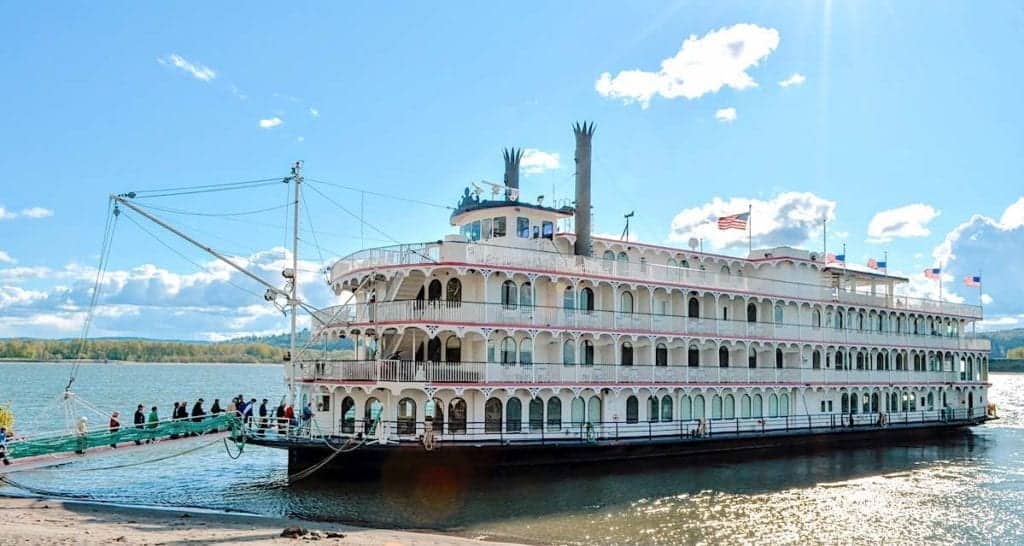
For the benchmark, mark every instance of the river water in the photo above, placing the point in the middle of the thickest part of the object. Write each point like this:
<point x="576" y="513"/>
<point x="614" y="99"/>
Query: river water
<point x="965" y="489"/>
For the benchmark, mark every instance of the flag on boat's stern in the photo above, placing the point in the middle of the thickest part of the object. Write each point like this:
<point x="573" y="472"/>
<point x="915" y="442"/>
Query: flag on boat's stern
<point x="875" y="264"/>
<point x="933" y="273"/>
<point x="735" y="221"/>
<point x="973" y="281"/>
<point x="835" y="259"/>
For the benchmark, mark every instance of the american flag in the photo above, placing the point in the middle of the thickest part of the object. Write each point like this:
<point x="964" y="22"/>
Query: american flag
<point x="932" y="273"/>
<point x="835" y="258"/>
<point x="875" y="264"/>
<point x="974" y="281"/>
<point x="736" y="221"/>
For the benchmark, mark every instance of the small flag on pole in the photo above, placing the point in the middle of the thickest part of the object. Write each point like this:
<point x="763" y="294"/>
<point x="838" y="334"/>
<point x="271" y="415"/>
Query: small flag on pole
<point x="932" y="273"/>
<point x="735" y="221"/>
<point x="875" y="264"/>
<point x="835" y="258"/>
<point x="973" y="281"/>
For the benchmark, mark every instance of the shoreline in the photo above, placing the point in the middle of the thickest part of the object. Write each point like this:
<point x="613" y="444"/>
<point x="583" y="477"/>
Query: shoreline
<point x="43" y="521"/>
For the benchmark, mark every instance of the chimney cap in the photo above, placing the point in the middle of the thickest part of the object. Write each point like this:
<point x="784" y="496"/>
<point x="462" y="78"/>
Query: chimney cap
<point x="583" y="128"/>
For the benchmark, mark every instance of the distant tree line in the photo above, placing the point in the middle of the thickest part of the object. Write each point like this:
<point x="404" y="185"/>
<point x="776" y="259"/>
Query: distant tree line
<point x="1017" y="353"/>
<point x="138" y="351"/>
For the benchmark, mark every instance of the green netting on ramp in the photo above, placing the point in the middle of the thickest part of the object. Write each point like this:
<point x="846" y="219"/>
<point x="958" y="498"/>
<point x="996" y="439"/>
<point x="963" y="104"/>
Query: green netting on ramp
<point x="31" y="447"/>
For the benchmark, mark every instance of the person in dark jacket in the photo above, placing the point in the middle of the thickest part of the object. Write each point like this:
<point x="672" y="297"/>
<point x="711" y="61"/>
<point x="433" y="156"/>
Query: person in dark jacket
<point x="215" y="408"/>
<point x="263" y="416"/>
<point x="279" y="415"/>
<point x="175" y="414"/>
<point x="140" y="421"/>
<point x="197" y="411"/>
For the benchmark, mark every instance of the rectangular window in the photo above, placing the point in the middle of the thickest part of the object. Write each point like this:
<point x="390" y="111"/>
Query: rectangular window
<point x="548" y="231"/>
<point x="523" y="227"/>
<point x="325" y="403"/>
<point x="485" y="228"/>
<point x="499" y="226"/>
<point x="536" y="232"/>
<point x="474" y="231"/>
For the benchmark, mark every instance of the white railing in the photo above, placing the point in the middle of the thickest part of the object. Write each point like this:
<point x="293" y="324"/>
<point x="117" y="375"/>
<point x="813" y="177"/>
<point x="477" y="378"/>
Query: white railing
<point x="493" y="314"/>
<point x="554" y="262"/>
<point x="396" y="371"/>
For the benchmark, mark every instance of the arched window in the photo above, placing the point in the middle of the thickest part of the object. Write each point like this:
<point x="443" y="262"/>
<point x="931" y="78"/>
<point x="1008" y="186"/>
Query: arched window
<point x="454" y="293"/>
<point x="652" y="409"/>
<point x="839" y="360"/>
<point x="716" y="407"/>
<point x="860" y="320"/>
<point x="666" y="408"/>
<point x="438" y="415"/>
<point x="569" y="299"/>
<point x="751" y="358"/>
<point x="513" y="415"/>
<point x="526" y="295"/>
<point x="627" y="354"/>
<point x="626" y="303"/>
<point x="509" y="295"/>
<point x="594" y="409"/>
<point x="729" y="407"/>
<point x="879" y="361"/>
<point x="698" y="407"/>
<point x="778" y="358"/>
<point x="745" y="406"/>
<point x="685" y="408"/>
<point x="783" y="405"/>
<point x="757" y="406"/>
<point x="406" y="416"/>
<point x="773" y="405"/>
<point x="434" y="349"/>
<point x="608" y="255"/>
<point x="931" y="401"/>
<point x="587" y="353"/>
<point x="568" y="353"/>
<point x="845" y="403"/>
<point x="751" y="312"/>
<point x="526" y="352"/>
<point x="586" y="300"/>
<point x="660" y="355"/>
<point x="860" y="360"/>
<point x="854" y="403"/>
<point x="725" y="270"/>
<point x="373" y="412"/>
<point x="693" y="308"/>
<point x="816" y="318"/>
<point x="348" y="415"/>
<point x="508" y="350"/>
<point x="671" y="262"/>
<point x="554" y="413"/>
<point x="693" y="356"/>
<point x="874" y="402"/>
<point x="457" y="416"/>
<point x="536" y="414"/>
<point x="632" y="410"/>
<point x="723" y="357"/>
<point x="434" y="290"/>
<point x="492" y="415"/>
<point x="899" y="361"/>
<point x="816" y="359"/>
<point x="778" y="314"/>
<point x="623" y="257"/>
<point x="578" y="408"/>
<point x="684" y="264"/>
<point x="839" y="319"/>
<point x="453" y="349"/>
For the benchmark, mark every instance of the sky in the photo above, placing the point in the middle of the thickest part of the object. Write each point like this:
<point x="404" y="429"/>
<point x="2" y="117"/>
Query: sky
<point x="897" y="122"/>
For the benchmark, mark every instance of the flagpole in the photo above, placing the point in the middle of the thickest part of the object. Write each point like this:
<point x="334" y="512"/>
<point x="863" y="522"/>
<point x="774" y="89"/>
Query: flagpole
<point x="844" y="255"/>
<point x="750" y="229"/>
<point x="885" y="258"/>
<point x="824" y="237"/>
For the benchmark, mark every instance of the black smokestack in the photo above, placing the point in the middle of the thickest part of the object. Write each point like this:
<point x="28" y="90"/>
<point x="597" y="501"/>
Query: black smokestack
<point x="512" y="157"/>
<point x="584" y="132"/>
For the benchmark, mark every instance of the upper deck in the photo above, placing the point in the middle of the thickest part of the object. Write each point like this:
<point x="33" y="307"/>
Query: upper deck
<point x="657" y="266"/>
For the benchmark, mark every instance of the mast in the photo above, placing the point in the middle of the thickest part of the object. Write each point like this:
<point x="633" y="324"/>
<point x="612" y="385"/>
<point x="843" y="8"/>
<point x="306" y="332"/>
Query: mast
<point x="293" y="298"/>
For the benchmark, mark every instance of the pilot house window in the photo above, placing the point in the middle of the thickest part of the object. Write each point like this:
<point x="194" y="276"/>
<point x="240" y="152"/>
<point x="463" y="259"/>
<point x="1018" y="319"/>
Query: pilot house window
<point x="523" y="227"/>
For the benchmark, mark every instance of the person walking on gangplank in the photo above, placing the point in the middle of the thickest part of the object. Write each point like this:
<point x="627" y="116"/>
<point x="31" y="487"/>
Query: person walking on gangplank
<point x="140" y="421"/>
<point x="114" y="427"/>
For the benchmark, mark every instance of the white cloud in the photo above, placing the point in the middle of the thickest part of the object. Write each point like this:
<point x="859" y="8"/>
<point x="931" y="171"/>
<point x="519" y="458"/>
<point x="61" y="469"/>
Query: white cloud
<point x="796" y="79"/>
<point x="983" y="246"/>
<point x="37" y="212"/>
<point x="789" y="218"/>
<point x="726" y="115"/>
<point x="906" y="221"/>
<point x="300" y="139"/>
<point x="986" y="299"/>
<point x="6" y="258"/>
<point x="197" y="70"/>
<point x="31" y="212"/>
<point x="314" y="112"/>
<point x="702" y="65"/>
<point x="536" y="161"/>
<point x="271" y="123"/>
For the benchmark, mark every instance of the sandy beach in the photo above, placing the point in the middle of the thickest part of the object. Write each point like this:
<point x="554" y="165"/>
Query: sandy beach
<point x="48" y="521"/>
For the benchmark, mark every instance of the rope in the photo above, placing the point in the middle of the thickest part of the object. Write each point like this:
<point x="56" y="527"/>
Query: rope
<point x="211" y="190"/>
<point x="378" y="194"/>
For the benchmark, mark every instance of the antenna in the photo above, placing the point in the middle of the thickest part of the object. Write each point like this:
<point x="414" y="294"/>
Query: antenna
<point x="293" y="297"/>
<point x="625" y="232"/>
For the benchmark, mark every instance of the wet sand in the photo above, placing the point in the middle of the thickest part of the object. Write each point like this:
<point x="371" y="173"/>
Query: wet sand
<point x="34" y="521"/>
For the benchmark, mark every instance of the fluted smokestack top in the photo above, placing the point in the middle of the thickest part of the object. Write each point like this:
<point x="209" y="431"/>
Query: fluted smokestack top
<point x="584" y="132"/>
<point x="512" y="157"/>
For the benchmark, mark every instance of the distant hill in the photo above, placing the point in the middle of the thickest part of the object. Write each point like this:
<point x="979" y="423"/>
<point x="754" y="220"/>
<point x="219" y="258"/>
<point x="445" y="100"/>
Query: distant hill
<point x="1004" y="340"/>
<point x="283" y="340"/>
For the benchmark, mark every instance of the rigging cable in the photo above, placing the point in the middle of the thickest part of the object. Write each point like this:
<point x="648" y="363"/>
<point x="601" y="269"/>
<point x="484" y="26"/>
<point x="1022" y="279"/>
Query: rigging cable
<point x="378" y="194"/>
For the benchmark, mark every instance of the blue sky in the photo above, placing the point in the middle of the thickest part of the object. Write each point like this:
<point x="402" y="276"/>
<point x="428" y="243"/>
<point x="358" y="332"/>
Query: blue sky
<point x="896" y="104"/>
